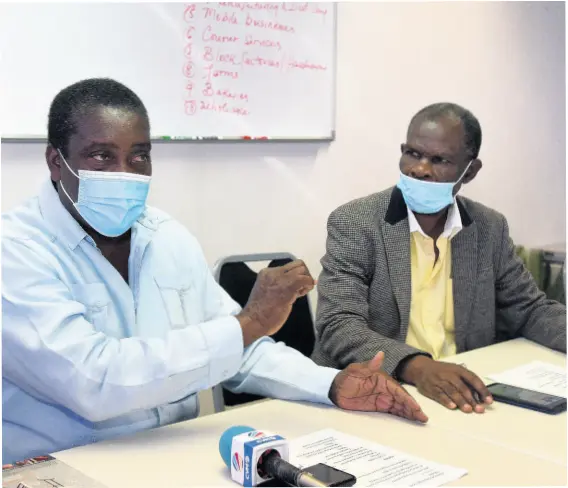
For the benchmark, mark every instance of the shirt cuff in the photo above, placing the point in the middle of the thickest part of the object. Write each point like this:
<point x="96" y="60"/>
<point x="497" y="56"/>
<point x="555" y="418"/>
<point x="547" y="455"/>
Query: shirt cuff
<point x="323" y="379"/>
<point x="224" y="340"/>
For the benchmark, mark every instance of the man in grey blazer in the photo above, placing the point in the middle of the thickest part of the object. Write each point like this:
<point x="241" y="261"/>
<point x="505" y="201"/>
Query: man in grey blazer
<point x="421" y="274"/>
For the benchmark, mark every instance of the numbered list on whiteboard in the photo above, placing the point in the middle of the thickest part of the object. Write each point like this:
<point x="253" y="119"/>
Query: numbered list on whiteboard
<point x="235" y="54"/>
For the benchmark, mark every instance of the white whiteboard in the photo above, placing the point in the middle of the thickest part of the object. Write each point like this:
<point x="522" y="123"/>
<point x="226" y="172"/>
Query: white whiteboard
<point x="246" y="69"/>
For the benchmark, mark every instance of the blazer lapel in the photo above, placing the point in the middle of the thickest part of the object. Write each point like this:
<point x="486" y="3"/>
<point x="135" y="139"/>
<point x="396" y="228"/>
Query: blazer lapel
<point x="396" y="235"/>
<point x="464" y="275"/>
<point x="397" y="247"/>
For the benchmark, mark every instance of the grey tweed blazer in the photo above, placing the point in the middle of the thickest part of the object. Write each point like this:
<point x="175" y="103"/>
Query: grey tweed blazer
<point x="365" y="285"/>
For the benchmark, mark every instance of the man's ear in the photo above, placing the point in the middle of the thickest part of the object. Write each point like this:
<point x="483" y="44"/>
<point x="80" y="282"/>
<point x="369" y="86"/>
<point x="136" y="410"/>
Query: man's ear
<point x="53" y="162"/>
<point x="472" y="171"/>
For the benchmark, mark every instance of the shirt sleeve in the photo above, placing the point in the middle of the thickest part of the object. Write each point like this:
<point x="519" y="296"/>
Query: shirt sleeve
<point x="52" y="352"/>
<point x="268" y="369"/>
<point x="277" y="371"/>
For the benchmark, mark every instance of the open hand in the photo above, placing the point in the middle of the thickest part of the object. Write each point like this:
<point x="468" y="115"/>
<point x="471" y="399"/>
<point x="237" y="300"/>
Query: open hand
<point x="451" y="385"/>
<point x="364" y="387"/>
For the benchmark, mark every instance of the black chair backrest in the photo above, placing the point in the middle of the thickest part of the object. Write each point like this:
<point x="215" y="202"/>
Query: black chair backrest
<point x="238" y="279"/>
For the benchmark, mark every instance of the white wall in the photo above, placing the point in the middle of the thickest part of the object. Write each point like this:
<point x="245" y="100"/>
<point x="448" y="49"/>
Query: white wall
<point x="503" y="60"/>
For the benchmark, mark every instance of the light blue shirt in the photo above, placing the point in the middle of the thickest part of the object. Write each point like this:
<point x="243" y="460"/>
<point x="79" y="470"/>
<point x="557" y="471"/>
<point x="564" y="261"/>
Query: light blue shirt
<point x="87" y="357"/>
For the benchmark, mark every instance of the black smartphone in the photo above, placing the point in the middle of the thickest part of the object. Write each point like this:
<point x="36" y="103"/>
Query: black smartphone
<point x="532" y="400"/>
<point x="331" y="476"/>
<point x="324" y="473"/>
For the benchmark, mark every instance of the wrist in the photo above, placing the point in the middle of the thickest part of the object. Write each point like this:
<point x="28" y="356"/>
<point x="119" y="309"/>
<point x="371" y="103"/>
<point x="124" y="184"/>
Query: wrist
<point x="410" y="369"/>
<point x="249" y="328"/>
<point x="332" y="393"/>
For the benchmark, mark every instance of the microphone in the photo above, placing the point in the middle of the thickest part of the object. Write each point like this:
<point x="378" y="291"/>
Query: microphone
<point x="257" y="456"/>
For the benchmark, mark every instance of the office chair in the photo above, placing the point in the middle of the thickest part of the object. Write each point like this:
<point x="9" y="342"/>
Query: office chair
<point x="237" y="279"/>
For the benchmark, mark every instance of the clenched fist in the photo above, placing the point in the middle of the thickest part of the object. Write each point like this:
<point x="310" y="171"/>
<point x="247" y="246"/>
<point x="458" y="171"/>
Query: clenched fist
<point x="271" y="299"/>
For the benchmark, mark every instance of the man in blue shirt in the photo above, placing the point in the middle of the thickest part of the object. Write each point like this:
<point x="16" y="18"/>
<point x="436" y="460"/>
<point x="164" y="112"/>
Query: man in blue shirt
<point x="112" y="321"/>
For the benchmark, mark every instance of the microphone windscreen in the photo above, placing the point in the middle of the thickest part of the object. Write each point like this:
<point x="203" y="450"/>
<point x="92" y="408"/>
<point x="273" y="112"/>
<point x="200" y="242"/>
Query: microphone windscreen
<point x="226" y="441"/>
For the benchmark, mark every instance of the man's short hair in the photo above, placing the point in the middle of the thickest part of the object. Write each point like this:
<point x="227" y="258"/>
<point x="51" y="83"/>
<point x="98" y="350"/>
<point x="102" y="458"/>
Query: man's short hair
<point x="471" y="126"/>
<point x="83" y="97"/>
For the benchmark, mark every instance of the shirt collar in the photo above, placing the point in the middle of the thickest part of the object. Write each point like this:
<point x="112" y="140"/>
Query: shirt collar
<point x="452" y="226"/>
<point x="62" y="224"/>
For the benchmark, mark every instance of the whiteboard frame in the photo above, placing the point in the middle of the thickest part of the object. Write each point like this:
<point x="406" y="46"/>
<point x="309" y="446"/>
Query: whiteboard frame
<point x="43" y="139"/>
<point x="192" y="140"/>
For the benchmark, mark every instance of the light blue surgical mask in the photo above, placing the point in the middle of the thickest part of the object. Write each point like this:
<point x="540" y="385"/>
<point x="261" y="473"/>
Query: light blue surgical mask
<point x="110" y="202"/>
<point x="427" y="197"/>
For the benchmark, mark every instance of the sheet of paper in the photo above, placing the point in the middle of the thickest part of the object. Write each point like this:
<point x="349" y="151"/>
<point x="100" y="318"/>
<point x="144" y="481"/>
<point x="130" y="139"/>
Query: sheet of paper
<point x="536" y="376"/>
<point x="372" y="464"/>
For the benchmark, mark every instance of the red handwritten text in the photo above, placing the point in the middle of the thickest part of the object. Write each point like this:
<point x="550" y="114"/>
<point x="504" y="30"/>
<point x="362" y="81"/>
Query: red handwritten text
<point x="223" y="108"/>
<point x="228" y="58"/>
<point x="226" y="74"/>
<point x="219" y="73"/>
<point x="190" y="106"/>
<point x="250" y="41"/>
<point x="321" y="11"/>
<point x="220" y="17"/>
<point x="258" y="61"/>
<point x="271" y="6"/>
<point x="225" y="93"/>
<point x="189" y="70"/>
<point x="189" y="12"/>
<point x="306" y="65"/>
<point x="295" y="7"/>
<point x="245" y="58"/>
<point x="209" y="35"/>
<point x="208" y="92"/>
<point x="264" y="24"/>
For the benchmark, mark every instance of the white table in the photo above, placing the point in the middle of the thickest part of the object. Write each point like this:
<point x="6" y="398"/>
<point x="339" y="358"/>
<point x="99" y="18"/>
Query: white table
<point x="506" y="446"/>
<point x="535" y="433"/>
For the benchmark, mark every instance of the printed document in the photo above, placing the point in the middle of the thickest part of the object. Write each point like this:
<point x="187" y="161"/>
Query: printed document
<point x="372" y="464"/>
<point x="536" y="376"/>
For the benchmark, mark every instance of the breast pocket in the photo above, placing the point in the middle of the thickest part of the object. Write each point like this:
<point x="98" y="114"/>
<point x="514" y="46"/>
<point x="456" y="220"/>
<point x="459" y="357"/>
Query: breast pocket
<point x="179" y="302"/>
<point x="95" y="298"/>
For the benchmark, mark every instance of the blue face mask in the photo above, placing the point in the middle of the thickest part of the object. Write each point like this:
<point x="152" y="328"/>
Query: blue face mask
<point x="427" y="197"/>
<point x="110" y="202"/>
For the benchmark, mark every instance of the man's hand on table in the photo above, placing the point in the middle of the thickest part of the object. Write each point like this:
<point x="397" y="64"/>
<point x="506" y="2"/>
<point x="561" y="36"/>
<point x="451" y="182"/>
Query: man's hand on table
<point x="451" y="385"/>
<point x="364" y="387"/>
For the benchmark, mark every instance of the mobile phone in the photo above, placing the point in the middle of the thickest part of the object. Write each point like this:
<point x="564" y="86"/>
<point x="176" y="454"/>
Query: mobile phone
<point x="324" y="473"/>
<point x="532" y="400"/>
<point x="331" y="476"/>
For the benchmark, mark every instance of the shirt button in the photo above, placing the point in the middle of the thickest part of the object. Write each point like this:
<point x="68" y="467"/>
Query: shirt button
<point x="225" y="373"/>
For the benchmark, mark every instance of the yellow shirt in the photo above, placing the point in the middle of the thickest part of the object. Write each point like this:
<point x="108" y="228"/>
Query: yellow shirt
<point x="431" y="324"/>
